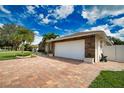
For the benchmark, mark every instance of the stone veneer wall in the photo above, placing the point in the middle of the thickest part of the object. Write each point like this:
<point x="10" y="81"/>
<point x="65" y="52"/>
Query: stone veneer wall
<point x="90" y="46"/>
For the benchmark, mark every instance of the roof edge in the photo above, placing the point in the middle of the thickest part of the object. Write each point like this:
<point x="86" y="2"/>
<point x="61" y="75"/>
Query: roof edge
<point x="86" y="33"/>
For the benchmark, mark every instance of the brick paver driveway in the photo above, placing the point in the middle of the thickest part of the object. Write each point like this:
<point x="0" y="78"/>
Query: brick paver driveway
<point x="51" y="72"/>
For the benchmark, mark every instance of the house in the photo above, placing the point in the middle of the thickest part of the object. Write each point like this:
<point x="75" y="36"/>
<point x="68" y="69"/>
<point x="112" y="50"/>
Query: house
<point x="86" y="46"/>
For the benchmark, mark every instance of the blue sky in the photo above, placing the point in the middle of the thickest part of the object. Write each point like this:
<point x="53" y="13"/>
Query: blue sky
<point x="64" y="20"/>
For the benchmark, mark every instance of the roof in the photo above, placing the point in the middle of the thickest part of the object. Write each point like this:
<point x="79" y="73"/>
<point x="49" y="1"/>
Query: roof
<point x="79" y="34"/>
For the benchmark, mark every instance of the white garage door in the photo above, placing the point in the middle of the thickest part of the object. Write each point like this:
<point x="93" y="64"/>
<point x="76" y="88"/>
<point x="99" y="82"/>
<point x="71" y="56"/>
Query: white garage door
<point x="70" y="49"/>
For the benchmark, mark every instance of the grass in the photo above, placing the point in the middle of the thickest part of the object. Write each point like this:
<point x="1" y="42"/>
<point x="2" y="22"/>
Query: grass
<point x="12" y="54"/>
<point x="109" y="79"/>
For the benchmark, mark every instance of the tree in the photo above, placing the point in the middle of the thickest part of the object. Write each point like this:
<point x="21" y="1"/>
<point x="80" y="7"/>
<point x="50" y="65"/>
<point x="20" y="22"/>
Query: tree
<point x="28" y="47"/>
<point x="116" y="41"/>
<point x="49" y="36"/>
<point x="6" y="32"/>
<point x="26" y="34"/>
<point x="13" y="36"/>
<point x="46" y="37"/>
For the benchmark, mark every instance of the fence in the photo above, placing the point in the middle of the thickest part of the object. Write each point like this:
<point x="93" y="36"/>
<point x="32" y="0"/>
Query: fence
<point x="115" y="53"/>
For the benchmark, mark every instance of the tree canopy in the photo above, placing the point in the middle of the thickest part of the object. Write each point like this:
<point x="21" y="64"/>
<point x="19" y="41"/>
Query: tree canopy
<point x="49" y="36"/>
<point x="116" y="41"/>
<point x="46" y="37"/>
<point x="12" y="35"/>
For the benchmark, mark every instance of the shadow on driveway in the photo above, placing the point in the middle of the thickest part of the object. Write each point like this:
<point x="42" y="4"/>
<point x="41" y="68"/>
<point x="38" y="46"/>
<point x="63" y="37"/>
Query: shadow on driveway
<point x="65" y="60"/>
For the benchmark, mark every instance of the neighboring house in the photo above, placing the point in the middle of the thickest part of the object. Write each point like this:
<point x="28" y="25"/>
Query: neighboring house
<point x="82" y="45"/>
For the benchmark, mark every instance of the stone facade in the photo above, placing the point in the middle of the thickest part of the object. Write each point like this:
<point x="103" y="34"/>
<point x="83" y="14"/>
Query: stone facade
<point x="90" y="47"/>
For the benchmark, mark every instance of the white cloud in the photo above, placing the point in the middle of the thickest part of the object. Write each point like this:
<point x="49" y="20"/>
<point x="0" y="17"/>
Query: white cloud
<point x="37" y="38"/>
<point x="92" y="16"/>
<point x="60" y="12"/>
<point x="41" y="16"/>
<point x="63" y="12"/>
<point x="36" y="33"/>
<point x="97" y="12"/>
<point x="1" y="24"/>
<point x="4" y="10"/>
<point x="68" y="32"/>
<point x="119" y="34"/>
<point x="31" y="9"/>
<point x="57" y="28"/>
<point x="45" y="20"/>
<point x="104" y="28"/>
<point x="119" y="22"/>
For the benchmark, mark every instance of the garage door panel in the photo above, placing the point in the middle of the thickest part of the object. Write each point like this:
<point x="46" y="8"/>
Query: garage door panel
<point x="70" y="49"/>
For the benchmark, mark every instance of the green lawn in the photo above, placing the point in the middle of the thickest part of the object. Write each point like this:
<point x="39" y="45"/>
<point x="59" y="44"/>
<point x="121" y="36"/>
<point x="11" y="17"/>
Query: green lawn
<point x="109" y="79"/>
<point x="12" y="54"/>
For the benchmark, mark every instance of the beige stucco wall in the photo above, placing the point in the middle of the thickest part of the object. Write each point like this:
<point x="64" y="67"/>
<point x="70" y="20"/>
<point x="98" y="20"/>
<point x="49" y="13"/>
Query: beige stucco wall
<point x="114" y="53"/>
<point x="98" y="49"/>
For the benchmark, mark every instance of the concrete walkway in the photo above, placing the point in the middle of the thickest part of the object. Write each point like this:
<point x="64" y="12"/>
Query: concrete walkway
<point x="51" y="72"/>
